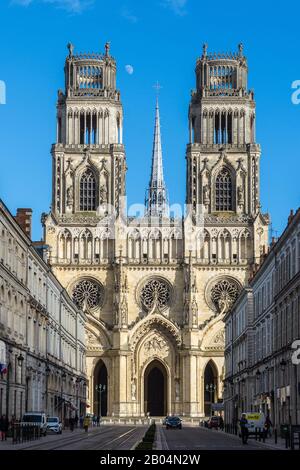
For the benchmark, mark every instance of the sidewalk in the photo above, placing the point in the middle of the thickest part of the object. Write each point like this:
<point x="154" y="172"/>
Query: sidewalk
<point x="269" y="443"/>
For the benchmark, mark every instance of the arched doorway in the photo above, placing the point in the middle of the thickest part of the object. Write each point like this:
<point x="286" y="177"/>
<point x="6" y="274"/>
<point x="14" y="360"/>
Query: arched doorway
<point x="100" y="393"/>
<point x="210" y="387"/>
<point x="155" y="389"/>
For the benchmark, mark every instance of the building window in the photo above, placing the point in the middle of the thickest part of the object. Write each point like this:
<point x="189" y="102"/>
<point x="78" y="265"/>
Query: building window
<point x="223" y="191"/>
<point x="87" y="191"/>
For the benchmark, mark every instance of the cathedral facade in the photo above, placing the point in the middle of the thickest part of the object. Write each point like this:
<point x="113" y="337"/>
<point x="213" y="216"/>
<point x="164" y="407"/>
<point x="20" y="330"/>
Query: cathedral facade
<point x="154" y="288"/>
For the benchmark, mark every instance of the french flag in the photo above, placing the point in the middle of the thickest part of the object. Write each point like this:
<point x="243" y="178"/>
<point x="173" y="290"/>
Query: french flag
<point x="3" y="368"/>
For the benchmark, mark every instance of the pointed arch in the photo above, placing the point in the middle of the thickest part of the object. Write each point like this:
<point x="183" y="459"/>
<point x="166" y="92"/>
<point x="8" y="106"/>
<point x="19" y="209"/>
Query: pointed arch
<point x="210" y="386"/>
<point x="85" y="244"/>
<point x="65" y="245"/>
<point x="224" y="245"/>
<point x="87" y="191"/>
<point x="223" y="190"/>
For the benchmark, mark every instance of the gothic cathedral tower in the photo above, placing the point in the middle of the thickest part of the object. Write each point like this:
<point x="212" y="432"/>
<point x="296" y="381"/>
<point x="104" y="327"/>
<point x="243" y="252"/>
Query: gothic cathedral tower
<point x="154" y="289"/>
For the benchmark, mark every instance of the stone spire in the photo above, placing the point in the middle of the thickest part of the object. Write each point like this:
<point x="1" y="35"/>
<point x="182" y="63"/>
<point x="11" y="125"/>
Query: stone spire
<point x="157" y="198"/>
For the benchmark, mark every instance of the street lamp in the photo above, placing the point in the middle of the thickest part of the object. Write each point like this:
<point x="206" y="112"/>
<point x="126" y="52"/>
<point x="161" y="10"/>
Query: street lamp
<point x="282" y="364"/>
<point x="47" y="371"/>
<point x="63" y="378"/>
<point x="211" y="389"/>
<point x="20" y="360"/>
<point x="100" y="389"/>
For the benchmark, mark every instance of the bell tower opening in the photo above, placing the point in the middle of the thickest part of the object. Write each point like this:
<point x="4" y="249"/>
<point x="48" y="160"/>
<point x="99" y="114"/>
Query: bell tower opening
<point x="155" y="389"/>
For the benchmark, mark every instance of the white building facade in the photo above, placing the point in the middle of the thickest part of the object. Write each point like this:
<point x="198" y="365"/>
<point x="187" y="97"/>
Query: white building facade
<point x="270" y="371"/>
<point x="42" y="333"/>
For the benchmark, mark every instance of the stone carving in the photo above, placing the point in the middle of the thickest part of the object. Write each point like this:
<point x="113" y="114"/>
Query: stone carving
<point x="194" y="311"/>
<point x="219" y="339"/>
<point x="133" y="390"/>
<point x="155" y="344"/>
<point x="177" y="390"/>
<point x="88" y="294"/>
<point x="71" y="49"/>
<point x="155" y="294"/>
<point x="103" y="190"/>
<point x="103" y="194"/>
<point x="92" y="340"/>
<point x="240" y="198"/>
<point x="206" y="197"/>
<point x="70" y="196"/>
<point x="124" y="311"/>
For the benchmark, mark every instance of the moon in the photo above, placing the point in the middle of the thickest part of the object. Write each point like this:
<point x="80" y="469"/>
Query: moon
<point x="129" y="69"/>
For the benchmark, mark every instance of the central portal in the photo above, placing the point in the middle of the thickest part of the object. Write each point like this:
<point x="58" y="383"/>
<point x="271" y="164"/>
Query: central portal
<point x="155" y="389"/>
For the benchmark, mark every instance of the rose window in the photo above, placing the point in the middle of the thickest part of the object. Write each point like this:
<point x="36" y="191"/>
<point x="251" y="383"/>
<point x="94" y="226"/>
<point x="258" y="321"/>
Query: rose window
<point x="224" y="294"/>
<point x="155" y="293"/>
<point x="88" y="294"/>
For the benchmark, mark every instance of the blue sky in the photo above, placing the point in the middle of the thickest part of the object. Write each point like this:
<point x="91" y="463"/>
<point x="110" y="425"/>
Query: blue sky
<point x="161" y="39"/>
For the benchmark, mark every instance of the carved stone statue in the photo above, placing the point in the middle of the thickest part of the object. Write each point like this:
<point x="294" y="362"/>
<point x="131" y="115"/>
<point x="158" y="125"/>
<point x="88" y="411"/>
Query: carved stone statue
<point x="206" y="198"/>
<point x="70" y="195"/>
<point x="194" y="311"/>
<point x="103" y="194"/>
<point x="133" y="390"/>
<point x="177" y="390"/>
<point x="71" y="49"/>
<point x="240" y="196"/>
<point x="123" y="310"/>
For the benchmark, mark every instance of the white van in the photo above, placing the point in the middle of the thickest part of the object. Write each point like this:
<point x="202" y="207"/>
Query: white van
<point x="36" y="419"/>
<point x="256" y="421"/>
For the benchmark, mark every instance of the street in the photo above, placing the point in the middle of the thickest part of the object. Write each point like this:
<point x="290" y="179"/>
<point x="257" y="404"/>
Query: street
<point x="198" y="438"/>
<point x="126" y="437"/>
<point x="114" y="437"/>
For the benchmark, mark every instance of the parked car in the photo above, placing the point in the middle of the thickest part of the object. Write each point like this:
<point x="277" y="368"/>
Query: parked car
<point x="54" y="424"/>
<point x="173" y="422"/>
<point x="213" y="422"/>
<point x="35" y="419"/>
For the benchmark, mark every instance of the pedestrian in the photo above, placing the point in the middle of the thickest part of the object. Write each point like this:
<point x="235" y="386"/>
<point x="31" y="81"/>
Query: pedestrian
<point x="221" y="423"/>
<point x="3" y="427"/>
<point x="86" y="423"/>
<point x="76" y="420"/>
<point x="98" y="421"/>
<point x="267" y="426"/>
<point x="244" y="428"/>
<point x="81" y="421"/>
<point x="71" y="424"/>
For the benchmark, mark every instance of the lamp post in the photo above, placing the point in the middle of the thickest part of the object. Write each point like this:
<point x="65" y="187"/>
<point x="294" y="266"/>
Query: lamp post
<point x="100" y="388"/>
<point x="211" y="388"/>
<point x="20" y="360"/>
<point x="63" y="378"/>
<point x="47" y="371"/>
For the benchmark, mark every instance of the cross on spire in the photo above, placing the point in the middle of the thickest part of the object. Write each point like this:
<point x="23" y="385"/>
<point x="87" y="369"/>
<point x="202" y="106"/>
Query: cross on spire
<point x="157" y="87"/>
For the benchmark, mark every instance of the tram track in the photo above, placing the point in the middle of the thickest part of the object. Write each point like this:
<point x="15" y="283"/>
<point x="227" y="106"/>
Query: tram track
<point x="70" y="440"/>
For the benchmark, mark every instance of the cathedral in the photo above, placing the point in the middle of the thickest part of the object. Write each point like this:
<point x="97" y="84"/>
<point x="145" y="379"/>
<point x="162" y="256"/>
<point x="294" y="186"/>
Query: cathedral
<point x="154" y="288"/>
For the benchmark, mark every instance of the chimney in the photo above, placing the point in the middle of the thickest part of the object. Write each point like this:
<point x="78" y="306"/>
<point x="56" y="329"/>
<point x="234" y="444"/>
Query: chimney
<point x="291" y="216"/>
<point x="23" y="217"/>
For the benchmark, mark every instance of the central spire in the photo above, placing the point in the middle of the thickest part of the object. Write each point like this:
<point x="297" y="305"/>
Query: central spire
<point x="157" y="198"/>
